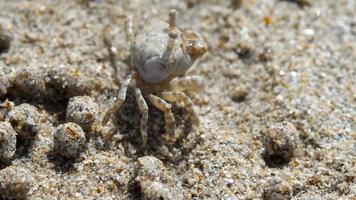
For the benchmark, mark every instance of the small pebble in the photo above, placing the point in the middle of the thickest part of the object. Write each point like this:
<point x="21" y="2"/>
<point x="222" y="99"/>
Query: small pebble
<point x="58" y="82"/>
<point x="82" y="110"/>
<point x="151" y="167"/>
<point x="5" y="108"/>
<point x="246" y="52"/>
<point x="236" y="3"/>
<point x="154" y="181"/>
<point x="7" y="142"/>
<point x="192" y="3"/>
<point x="266" y="55"/>
<point x="276" y="192"/>
<point x="28" y="81"/>
<point x="25" y="120"/>
<point x="15" y="183"/>
<point x="303" y="3"/>
<point x="156" y="190"/>
<point x="4" y="83"/>
<point x="69" y="140"/>
<point x="308" y="32"/>
<point x="239" y="94"/>
<point x="66" y="82"/>
<point x="280" y="142"/>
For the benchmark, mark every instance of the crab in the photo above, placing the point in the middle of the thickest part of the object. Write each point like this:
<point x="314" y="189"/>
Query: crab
<point x="161" y="54"/>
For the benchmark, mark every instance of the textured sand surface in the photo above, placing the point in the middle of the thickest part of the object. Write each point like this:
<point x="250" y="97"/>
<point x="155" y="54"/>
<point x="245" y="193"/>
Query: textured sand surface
<point x="278" y="111"/>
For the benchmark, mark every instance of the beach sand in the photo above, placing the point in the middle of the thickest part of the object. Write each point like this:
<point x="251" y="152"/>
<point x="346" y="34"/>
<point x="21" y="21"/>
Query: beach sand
<point x="277" y="112"/>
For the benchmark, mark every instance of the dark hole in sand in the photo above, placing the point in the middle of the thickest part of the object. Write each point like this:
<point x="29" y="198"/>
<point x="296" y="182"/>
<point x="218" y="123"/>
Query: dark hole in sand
<point x="23" y="146"/>
<point x="5" y="42"/>
<point x="275" y="160"/>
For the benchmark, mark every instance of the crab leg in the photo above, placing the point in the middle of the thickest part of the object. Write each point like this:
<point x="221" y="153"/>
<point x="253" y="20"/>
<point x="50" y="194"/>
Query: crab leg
<point x="191" y="83"/>
<point x="129" y="29"/>
<point x="111" y="50"/>
<point x="182" y="97"/>
<point x="120" y="99"/>
<point x="144" y="115"/>
<point x="165" y="107"/>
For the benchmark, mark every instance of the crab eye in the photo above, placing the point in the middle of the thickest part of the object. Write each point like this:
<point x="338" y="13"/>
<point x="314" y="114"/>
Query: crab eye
<point x="194" y="44"/>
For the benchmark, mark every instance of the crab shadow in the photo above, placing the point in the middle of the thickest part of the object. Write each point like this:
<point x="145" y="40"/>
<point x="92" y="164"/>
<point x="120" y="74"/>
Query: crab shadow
<point x="127" y="121"/>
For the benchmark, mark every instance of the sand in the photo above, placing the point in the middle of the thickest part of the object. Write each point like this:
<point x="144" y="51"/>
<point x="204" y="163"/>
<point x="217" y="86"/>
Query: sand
<point x="277" y="112"/>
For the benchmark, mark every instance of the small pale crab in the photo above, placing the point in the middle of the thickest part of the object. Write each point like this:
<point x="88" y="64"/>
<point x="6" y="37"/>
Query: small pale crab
<point x="161" y="54"/>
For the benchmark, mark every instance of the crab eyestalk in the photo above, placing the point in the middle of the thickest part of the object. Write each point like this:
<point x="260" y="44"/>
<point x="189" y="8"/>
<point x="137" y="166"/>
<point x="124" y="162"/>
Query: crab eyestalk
<point x="172" y="20"/>
<point x="172" y="36"/>
<point x="166" y="57"/>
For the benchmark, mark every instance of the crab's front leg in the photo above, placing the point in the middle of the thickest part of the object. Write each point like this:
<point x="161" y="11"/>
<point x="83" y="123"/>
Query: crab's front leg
<point x="144" y="115"/>
<point x="165" y="107"/>
<point x="190" y="83"/>
<point x="187" y="102"/>
<point x="120" y="99"/>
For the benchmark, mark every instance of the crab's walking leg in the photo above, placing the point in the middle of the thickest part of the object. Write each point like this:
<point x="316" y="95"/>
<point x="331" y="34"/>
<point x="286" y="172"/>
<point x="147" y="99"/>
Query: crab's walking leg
<point x="129" y="29"/>
<point x="144" y="115"/>
<point x="120" y="99"/>
<point x="182" y="97"/>
<point x="143" y="21"/>
<point x="191" y="83"/>
<point x="165" y="107"/>
<point x="111" y="51"/>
